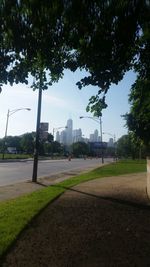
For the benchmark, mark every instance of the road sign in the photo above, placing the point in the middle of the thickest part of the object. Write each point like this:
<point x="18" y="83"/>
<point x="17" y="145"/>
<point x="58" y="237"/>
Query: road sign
<point x="44" y="126"/>
<point x="43" y="135"/>
<point x="98" y="145"/>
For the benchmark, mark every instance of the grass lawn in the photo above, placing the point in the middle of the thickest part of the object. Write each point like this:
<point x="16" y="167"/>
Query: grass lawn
<point x="16" y="214"/>
<point x="15" y="156"/>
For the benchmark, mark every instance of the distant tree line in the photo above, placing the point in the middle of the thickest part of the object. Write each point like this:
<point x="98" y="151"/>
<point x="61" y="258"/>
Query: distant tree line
<point x="127" y="146"/>
<point x="25" y="144"/>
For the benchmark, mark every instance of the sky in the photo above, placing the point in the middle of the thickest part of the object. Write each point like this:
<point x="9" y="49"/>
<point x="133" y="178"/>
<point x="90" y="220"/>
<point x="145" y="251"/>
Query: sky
<point x="63" y="100"/>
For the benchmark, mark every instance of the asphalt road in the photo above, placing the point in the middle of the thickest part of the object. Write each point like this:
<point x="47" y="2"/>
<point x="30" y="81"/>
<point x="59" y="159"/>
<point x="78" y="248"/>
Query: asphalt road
<point x="14" y="172"/>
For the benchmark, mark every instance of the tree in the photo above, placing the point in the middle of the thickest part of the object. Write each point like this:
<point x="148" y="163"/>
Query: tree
<point x="112" y="43"/>
<point x="13" y="141"/>
<point x="138" y="120"/>
<point x="31" y="41"/>
<point x="50" y="137"/>
<point x="27" y="143"/>
<point x="80" y="148"/>
<point x="100" y="36"/>
<point x="56" y="147"/>
<point x="45" y="144"/>
<point x="52" y="147"/>
<point x="48" y="148"/>
<point x="106" y="38"/>
<point x="1" y="145"/>
<point x="130" y="146"/>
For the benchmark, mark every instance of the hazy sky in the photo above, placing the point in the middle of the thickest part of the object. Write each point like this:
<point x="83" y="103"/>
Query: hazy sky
<point x="62" y="101"/>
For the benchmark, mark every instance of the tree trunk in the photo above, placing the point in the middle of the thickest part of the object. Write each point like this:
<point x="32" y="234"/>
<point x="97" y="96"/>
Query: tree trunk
<point x="148" y="176"/>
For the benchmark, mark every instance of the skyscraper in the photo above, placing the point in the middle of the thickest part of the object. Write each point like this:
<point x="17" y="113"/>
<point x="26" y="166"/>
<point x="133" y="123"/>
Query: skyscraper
<point x="69" y="131"/>
<point x="111" y="142"/>
<point x="57" y="137"/>
<point x="96" y="136"/>
<point x="63" y="137"/>
<point x="77" y="135"/>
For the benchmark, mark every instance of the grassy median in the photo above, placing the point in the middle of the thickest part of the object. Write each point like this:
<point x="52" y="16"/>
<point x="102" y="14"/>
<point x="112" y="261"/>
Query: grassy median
<point x="16" y="214"/>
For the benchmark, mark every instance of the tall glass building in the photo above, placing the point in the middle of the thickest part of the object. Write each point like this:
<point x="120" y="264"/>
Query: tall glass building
<point x="69" y="132"/>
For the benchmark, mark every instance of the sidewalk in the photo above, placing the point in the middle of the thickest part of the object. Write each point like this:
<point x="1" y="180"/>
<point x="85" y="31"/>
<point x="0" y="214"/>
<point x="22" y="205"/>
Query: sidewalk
<point x="104" y="222"/>
<point x="18" y="189"/>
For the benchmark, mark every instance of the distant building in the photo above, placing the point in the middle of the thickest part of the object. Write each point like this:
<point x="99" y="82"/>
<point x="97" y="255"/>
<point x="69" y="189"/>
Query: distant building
<point x="110" y="142"/>
<point x="57" y="137"/>
<point x="91" y="139"/>
<point x="77" y="135"/>
<point x="96" y="136"/>
<point x="69" y="136"/>
<point x="63" y="137"/>
<point x="69" y="132"/>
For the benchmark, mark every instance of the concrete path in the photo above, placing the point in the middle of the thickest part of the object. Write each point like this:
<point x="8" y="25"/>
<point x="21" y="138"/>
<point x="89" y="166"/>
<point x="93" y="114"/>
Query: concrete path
<point x="104" y="222"/>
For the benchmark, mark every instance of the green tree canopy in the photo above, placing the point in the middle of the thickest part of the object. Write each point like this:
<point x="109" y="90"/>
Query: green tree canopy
<point x="27" y="142"/>
<point x="102" y="37"/>
<point x="130" y="146"/>
<point x="13" y="141"/>
<point x="80" y="148"/>
<point x="138" y="119"/>
<point x="105" y="38"/>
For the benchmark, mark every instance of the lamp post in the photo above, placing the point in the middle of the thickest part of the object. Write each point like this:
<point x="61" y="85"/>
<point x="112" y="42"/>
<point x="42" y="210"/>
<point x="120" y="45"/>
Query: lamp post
<point x="77" y="138"/>
<point x="10" y="113"/>
<point x="36" y="147"/>
<point x="113" y="135"/>
<point x="58" y="128"/>
<point x="99" y="121"/>
<point x="55" y="129"/>
<point x="114" y="140"/>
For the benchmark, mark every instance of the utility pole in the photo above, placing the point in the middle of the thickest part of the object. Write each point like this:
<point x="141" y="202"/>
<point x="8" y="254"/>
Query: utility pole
<point x="10" y="113"/>
<point x="101" y="134"/>
<point x="99" y="121"/>
<point x="5" y="135"/>
<point x="36" y="149"/>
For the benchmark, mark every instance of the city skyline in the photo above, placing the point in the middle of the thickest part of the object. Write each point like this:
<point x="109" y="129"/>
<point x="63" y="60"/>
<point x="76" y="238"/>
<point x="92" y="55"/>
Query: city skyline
<point x="69" y="135"/>
<point x="61" y="101"/>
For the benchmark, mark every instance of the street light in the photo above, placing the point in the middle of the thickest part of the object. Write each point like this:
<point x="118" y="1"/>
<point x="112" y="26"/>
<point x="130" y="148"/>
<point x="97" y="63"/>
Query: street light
<point x="113" y="135"/>
<point x="10" y="113"/>
<point x="76" y="137"/>
<point x="99" y="121"/>
<point x="58" y="128"/>
<point x="114" y="140"/>
<point x="55" y="129"/>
